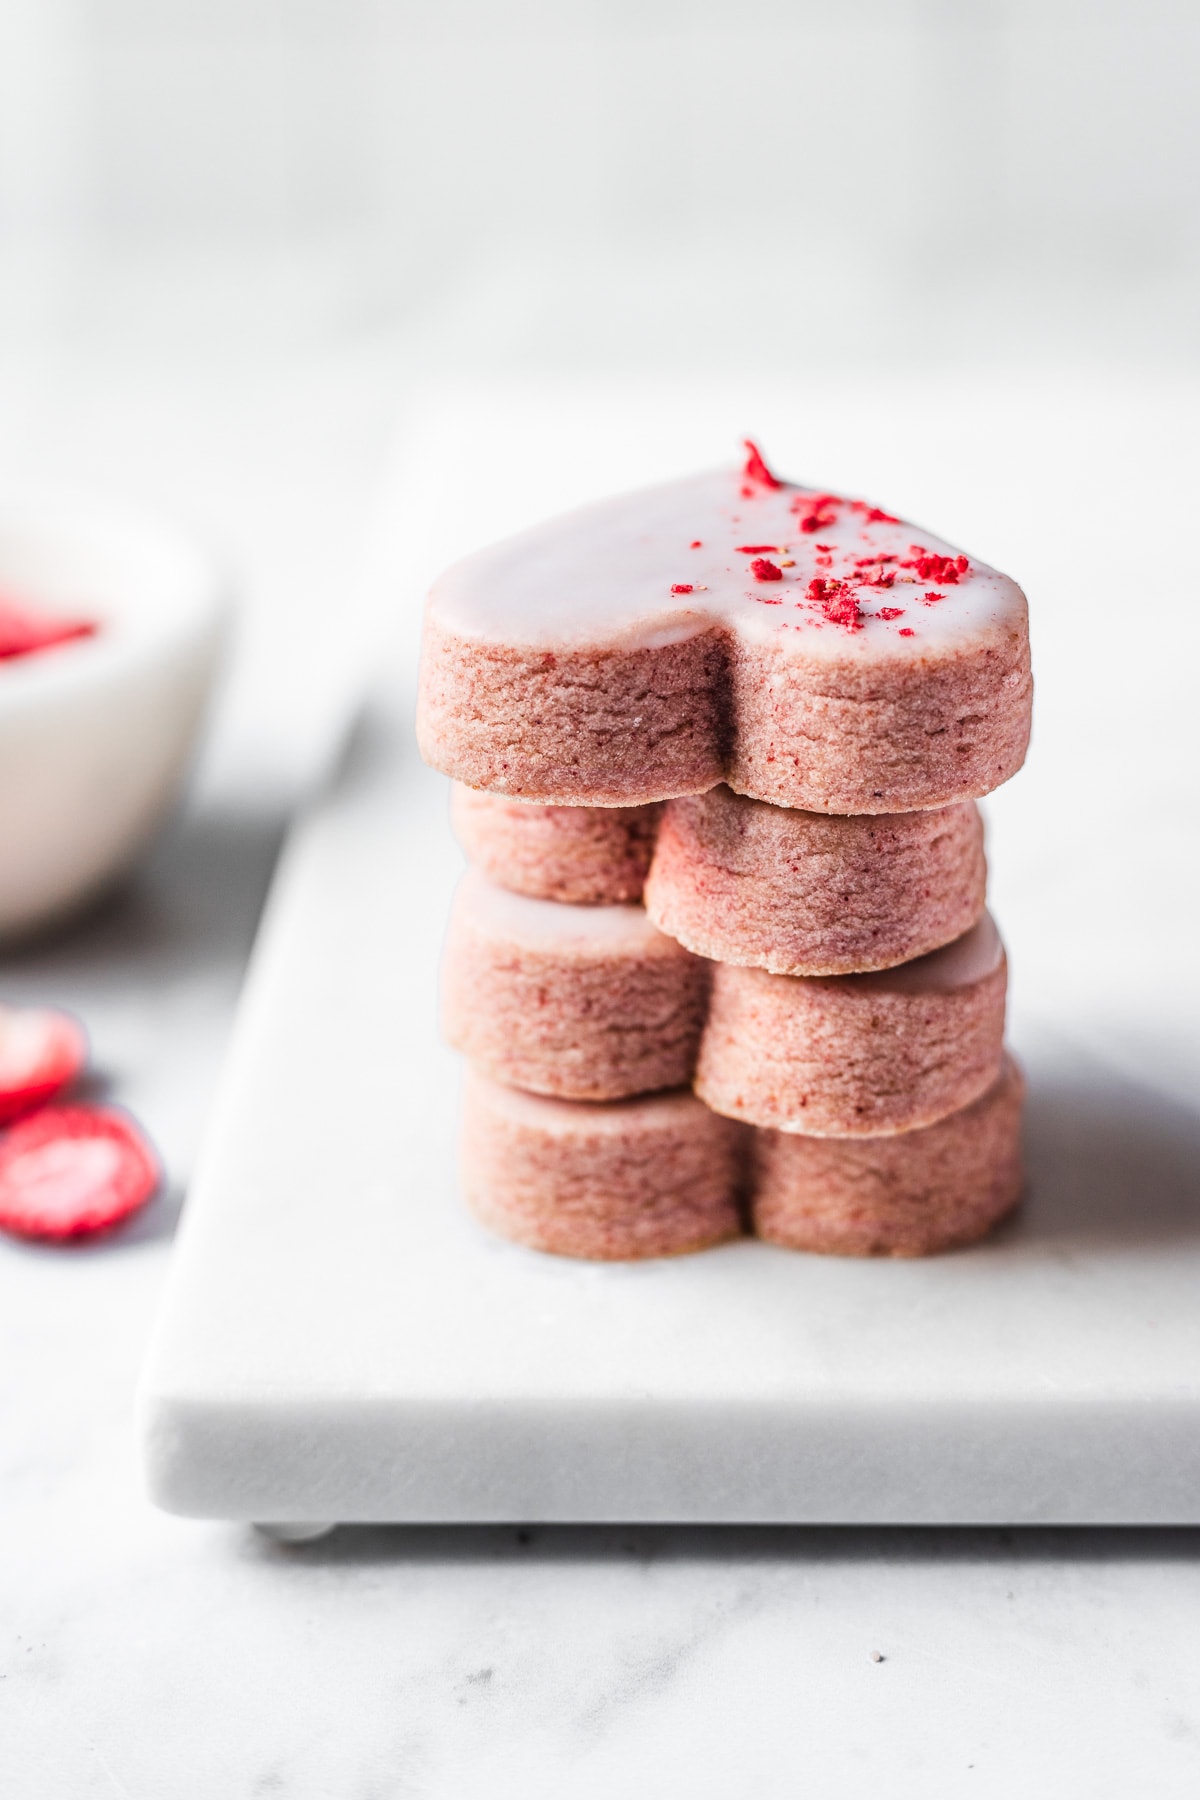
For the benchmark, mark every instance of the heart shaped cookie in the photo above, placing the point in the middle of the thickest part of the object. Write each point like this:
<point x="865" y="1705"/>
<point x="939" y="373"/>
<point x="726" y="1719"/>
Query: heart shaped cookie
<point x="808" y="649"/>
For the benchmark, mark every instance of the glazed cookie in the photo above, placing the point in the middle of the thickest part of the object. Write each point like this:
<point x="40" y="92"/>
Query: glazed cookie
<point x="634" y="1178"/>
<point x="584" y="1002"/>
<point x="809" y="649"/>
<point x="857" y="1055"/>
<point x="800" y="893"/>
<point x="909" y="1194"/>
<point x="586" y="855"/>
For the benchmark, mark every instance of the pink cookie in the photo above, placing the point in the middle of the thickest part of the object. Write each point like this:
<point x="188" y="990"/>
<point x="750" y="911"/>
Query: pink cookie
<point x="857" y="1055"/>
<point x="587" y="855"/>
<point x="584" y="1002"/>
<point x="800" y="893"/>
<point x="909" y="1194"/>
<point x="633" y="1178"/>
<point x="808" y="649"/>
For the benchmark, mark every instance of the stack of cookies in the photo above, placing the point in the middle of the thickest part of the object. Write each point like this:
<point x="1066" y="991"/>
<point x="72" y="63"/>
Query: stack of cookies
<point x="722" y="958"/>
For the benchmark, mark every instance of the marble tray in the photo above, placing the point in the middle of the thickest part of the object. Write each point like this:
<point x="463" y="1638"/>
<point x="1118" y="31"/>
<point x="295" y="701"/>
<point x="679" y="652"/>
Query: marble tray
<point x="340" y="1342"/>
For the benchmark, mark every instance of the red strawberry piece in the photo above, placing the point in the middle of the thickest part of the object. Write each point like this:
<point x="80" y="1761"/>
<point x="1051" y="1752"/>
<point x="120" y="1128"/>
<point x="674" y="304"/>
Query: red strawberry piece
<point x="756" y="468"/>
<point x="72" y="1170"/>
<point x="23" y="630"/>
<point x="40" y="1052"/>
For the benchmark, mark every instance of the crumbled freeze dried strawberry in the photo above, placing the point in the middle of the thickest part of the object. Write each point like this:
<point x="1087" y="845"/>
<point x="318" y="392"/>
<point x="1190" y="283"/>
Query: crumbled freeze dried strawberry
<point x="69" y="1171"/>
<point x="756" y="468"/>
<point x="41" y="1052"/>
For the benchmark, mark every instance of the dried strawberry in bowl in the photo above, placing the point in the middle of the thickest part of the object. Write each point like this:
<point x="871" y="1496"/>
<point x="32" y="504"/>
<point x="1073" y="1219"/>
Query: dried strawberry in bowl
<point x="25" y="631"/>
<point x="111" y="625"/>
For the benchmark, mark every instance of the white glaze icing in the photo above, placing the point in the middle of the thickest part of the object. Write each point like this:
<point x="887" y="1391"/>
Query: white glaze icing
<point x="970" y="958"/>
<point x="602" y="577"/>
<point x="518" y="918"/>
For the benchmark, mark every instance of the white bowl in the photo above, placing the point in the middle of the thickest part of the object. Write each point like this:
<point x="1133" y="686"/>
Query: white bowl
<point x="95" y="735"/>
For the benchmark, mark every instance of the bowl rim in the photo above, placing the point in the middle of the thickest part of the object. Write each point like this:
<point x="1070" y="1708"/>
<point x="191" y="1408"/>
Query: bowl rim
<point x="197" y="606"/>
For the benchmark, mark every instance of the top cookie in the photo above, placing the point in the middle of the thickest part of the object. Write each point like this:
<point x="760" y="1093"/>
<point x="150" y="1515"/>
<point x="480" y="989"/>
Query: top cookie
<point x="808" y="649"/>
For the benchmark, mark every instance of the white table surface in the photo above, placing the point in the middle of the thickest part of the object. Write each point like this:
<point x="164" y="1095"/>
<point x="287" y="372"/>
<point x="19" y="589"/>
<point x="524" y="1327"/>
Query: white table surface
<point x="144" y="1656"/>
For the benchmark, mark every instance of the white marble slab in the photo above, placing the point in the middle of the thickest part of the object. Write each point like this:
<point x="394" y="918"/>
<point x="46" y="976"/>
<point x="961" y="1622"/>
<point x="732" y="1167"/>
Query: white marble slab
<point x="342" y="1343"/>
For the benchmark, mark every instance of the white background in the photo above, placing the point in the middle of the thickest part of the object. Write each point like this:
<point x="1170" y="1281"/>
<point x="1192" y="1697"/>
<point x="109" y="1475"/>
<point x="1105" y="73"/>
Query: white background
<point x="590" y="179"/>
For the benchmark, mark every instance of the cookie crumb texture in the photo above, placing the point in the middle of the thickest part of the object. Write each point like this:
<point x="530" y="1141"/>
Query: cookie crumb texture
<point x="584" y="855"/>
<point x="629" y="727"/>
<point x="595" y="727"/>
<point x="657" y="1176"/>
<point x="857" y="1055"/>
<point x="911" y="1194"/>
<point x="898" y="737"/>
<point x="799" y="893"/>
<point x="585" y="1003"/>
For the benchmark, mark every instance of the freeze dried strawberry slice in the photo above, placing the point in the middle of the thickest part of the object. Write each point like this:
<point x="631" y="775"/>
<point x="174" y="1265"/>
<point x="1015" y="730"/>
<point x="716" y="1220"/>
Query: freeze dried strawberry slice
<point x="72" y="1170"/>
<point x="22" y="631"/>
<point x="40" y="1052"/>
